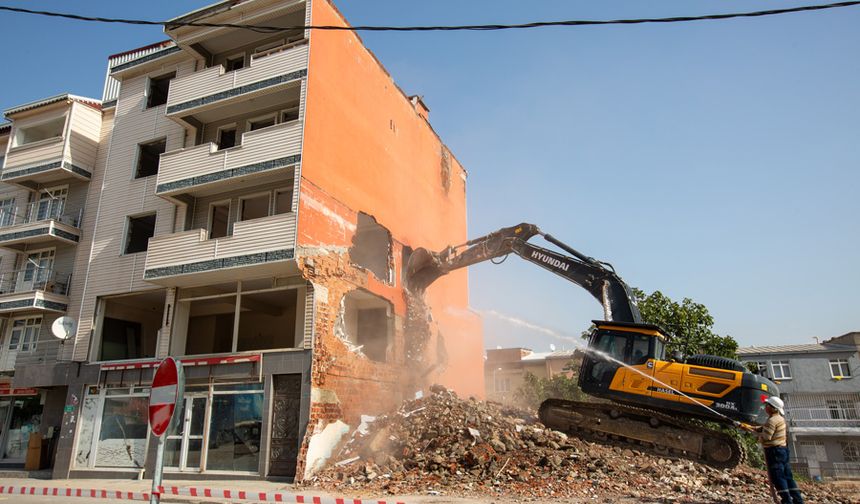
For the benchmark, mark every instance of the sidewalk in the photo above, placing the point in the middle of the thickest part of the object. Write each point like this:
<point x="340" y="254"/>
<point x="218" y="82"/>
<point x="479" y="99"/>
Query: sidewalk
<point x="240" y="491"/>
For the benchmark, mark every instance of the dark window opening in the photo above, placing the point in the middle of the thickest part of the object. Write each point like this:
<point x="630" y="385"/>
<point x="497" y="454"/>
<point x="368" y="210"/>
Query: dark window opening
<point x="371" y="247"/>
<point x="210" y="326"/>
<point x="158" y="87"/>
<point x="148" y="156"/>
<point x="234" y="63"/>
<point x="130" y="325"/>
<point x="366" y="322"/>
<point x="219" y="220"/>
<point x="261" y="123"/>
<point x="290" y="115"/>
<point x="405" y="254"/>
<point x="283" y="201"/>
<point x="140" y="230"/>
<point x="226" y="138"/>
<point x="255" y="207"/>
<point x="267" y="320"/>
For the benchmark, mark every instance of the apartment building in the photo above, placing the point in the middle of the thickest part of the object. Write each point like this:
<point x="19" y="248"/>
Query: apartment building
<point x="247" y="203"/>
<point x="819" y="385"/>
<point x="505" y="369"/>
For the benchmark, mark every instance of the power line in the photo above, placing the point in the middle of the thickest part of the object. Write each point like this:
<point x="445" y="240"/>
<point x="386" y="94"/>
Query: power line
<point x="484" y="27"/>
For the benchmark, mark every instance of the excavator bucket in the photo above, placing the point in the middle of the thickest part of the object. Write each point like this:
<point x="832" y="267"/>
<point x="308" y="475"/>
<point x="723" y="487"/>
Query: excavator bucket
<point x="422" y="270"/>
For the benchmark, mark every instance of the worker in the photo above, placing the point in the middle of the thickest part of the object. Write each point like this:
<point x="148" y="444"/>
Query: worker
<point x="772" y="436"/>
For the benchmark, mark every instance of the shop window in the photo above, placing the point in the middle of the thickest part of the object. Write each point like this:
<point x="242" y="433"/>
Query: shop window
<point x="267" y="320"/>
<point x="367" y="323"/>
<point x="234" y="431"/>
<point x="42" y="131"/>
<point x="371" y="247"/>
<point x="158" y="88"/>
<point x="129" y="325"/>
<point x="210" y="326"/>
<point x="148" y="157"/>
<point x="114" y="429"/>
<point x="140" y="230"/>
<point x="25" y="418"/>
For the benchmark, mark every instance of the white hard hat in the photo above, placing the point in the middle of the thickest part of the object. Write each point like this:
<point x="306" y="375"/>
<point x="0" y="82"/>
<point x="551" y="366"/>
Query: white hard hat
<point x="776" y="403"/>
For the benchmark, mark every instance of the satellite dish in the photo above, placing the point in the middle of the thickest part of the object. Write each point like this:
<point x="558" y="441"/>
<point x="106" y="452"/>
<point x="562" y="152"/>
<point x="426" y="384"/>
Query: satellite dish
<point x="64" y="327"/>
<point x="552" y="347"/>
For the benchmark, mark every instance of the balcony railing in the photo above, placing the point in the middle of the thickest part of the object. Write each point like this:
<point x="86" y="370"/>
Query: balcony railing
<point x="823" y="417"/>
<point x="213" y="85"/>
<point x="38" y="212"/>
<point x="35" y="279"/>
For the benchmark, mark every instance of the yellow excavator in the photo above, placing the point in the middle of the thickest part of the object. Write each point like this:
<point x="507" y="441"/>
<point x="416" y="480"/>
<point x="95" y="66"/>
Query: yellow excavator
<point x="651" y="396"/>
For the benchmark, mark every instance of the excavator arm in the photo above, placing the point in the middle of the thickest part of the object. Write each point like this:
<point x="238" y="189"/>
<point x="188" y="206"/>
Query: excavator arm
<point x="596" y="277"/>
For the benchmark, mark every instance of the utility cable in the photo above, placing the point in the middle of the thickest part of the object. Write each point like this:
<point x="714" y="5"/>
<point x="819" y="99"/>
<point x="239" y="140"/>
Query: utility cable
<point x="483" y="27"/>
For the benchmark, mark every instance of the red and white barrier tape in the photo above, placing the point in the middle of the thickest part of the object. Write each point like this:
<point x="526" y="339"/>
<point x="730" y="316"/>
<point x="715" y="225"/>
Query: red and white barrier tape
<point x="238" y="495"/>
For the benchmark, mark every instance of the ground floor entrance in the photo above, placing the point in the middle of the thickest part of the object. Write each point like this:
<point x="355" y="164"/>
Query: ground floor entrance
<point x="20" y="416"/>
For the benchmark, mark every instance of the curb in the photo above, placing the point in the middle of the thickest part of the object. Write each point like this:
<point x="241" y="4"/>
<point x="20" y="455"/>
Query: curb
<point x="194" y="492"/>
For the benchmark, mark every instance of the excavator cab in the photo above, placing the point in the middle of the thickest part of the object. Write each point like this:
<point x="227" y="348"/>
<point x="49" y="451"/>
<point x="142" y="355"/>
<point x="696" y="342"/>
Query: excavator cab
<point x="614" y="345"/>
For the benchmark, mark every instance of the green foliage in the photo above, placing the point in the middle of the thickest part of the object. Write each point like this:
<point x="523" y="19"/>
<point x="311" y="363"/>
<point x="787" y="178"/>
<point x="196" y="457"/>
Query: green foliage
<point x="536" y="390"/>
<point x="688" y="324"/>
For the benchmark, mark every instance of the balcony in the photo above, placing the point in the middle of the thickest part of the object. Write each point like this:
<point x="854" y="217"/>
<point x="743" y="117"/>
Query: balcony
<point x="191" y="99"/>
<point x="46" y="161"/>
<point x="38" y="224"/>
<point x="267" y="154"/>
<point x="824" y="412"/>
<point x="34" y="289"/>
<point x="258" y="248"/>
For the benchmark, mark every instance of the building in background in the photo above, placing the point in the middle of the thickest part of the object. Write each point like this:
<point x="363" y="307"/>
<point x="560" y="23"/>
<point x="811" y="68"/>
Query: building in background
<point x="505" y="369"/>
<point x="245" y="202"/>
<point x="821" y="389"/>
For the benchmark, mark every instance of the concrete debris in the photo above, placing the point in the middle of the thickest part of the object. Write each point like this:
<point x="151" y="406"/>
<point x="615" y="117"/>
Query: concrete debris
<point x="430" y="447"/>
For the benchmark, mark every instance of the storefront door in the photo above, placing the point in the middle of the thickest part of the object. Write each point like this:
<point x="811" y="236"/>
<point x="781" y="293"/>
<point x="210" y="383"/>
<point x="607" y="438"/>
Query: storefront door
<point x="23" y="418"/>
<point x="185" y="437"/>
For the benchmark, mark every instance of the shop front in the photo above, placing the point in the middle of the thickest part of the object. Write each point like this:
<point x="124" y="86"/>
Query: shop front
<point x="20" y="416"/>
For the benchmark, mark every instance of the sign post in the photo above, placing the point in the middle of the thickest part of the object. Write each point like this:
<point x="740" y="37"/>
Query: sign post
<point x="168" y="390"/>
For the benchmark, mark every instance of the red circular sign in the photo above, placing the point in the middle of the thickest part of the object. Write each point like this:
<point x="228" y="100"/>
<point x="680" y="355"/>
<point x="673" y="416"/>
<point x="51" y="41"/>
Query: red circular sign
<point x="165" y="393"/>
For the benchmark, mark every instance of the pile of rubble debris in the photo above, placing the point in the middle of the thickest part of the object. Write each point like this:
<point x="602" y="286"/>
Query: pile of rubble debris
<point x="443" y="445"/>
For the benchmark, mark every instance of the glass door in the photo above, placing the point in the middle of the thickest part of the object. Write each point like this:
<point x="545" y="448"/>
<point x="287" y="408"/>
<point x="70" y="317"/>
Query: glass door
<point x="37" y="271"/>
<point x="51" y="203"/>
<point x="184" y="443"/>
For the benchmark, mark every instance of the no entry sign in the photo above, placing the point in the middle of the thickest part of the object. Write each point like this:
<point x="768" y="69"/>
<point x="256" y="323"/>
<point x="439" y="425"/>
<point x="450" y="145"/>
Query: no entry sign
<point x="168" y="386"/>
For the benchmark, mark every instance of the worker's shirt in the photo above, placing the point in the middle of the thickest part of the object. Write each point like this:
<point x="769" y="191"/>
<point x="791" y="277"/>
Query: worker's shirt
<point x="773" y="432"/>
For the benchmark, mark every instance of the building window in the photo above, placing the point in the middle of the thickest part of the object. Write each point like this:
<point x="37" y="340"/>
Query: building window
<point x="219" y="220"/>
<point x="148" y="156"/>
<point x="7" y="212"/>
<point x="842" y="409"/>
<point x="158" y="87"/>
<point x="850" y="451"/>
<point x="261" y="122"/>
<point x="24" y="334"/>
<point x="113" y="429"/>
<point x="366" y="322"/>
<point x="291" y="114"/>
<point x="140" y="230"/>
<point x="781" y="370"/>
<point x="127" y="327"/>
<point x="839" y="368"/>
<point x="38" y="132"/>
<point x="222" y="318"/>
<point x="283" y="201"/>
<point x="254" y="207"/>
<point x="226" y="137"/>
<point x="234" y="63"/>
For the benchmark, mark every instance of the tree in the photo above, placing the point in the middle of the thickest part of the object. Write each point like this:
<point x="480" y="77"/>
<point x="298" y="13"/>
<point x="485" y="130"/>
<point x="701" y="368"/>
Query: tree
<point x="536" y="390"/>
<point x="688" y="324"/>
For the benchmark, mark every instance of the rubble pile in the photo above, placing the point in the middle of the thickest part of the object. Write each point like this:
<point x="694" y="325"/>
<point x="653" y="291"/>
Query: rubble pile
<point x="443" y="445"/>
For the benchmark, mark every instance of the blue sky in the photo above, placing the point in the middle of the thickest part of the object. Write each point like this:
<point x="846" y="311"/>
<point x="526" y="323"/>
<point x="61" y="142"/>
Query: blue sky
<point x="711" y="160"/>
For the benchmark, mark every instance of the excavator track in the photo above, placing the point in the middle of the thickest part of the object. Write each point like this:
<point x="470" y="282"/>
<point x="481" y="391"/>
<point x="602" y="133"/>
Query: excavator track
<point x="663" y="434"/>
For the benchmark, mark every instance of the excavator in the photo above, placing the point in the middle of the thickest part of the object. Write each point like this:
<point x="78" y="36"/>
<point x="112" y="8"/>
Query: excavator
<point x="649" y="398"/>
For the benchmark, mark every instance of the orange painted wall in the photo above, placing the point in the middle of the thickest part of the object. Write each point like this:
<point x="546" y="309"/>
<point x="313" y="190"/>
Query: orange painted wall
<point x="366" y="146"/>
